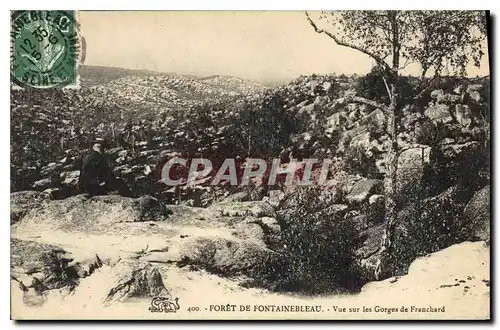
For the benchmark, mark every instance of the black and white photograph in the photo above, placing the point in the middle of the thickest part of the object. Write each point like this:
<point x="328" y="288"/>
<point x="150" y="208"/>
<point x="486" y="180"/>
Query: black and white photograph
<point x="250" y="165"/>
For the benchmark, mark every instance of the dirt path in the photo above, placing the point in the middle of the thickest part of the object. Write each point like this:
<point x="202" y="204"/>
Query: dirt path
<point x="456" y="278"/>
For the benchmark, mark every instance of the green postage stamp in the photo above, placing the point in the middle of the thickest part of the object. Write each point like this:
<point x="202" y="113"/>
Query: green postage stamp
<point x="45" y="48"/>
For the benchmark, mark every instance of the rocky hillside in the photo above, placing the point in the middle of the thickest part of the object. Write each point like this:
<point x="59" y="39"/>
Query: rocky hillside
<point x="171" y="92"/>
<point x="147" y="90"/>
<point x="91" y="75"/>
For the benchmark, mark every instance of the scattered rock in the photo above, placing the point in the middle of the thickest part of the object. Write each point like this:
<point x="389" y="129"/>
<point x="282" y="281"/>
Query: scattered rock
<point x="474" y="95"/>
<point x="453" y="151"/>
<point x="478" y="214"/>
<point x="376" y="199"/>
<point x="336" y="121"/>
<point x="70" y="179"/>
<point x="44" y="184"/>
<point x="275" y="197"/>
<point x="439" y="113"/>
<point x="252" y="208"/>
<point x="463" y="114"/>
<point x="437" y="93"/>
<point x="474" y="87"/>
<point x="363" y="189"/>
<point x="241" y="196"/>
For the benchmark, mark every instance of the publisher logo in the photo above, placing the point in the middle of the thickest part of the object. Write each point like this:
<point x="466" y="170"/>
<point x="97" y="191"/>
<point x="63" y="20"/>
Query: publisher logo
<point x="164" y="305"/>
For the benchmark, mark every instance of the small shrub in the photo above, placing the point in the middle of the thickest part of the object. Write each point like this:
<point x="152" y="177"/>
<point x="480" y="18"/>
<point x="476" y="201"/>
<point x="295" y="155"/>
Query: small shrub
<point x="372" y="87"/>
<point x="427" y="226"/>
<point x="317" y="245"/>
<point x="357" y="161"/>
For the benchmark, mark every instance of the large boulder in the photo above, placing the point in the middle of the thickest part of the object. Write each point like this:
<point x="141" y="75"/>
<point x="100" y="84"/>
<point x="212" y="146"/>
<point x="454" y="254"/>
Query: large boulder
<point x="51" y="169"/>
<point x="30" y="258"/>
<point x="410" y="169"/>
<point x="375" y="209"/>
<point x="221" y="254"/>
<point x="363" y="189"/>
<point x="308" y="109"/>
<point x="477" y="213"/>
<point x="439" y="113"/>
<point x="361" y="141"/>
<point x="134" y="279"/>
<point x="441" y="97"/>
<point x="22" y="202"/>
<point x="95" y="214"/>
<point x="39" y="267"/>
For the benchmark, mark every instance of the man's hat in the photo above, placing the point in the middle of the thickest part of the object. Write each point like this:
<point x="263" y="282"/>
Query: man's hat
<point x="99" y="140"/>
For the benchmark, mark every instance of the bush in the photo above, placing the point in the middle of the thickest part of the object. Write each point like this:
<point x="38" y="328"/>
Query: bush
<point x="317" y="245"/>
<point x="427" y="226"/>
<point x="372" y="87"/>
<point x="357" y="161"/>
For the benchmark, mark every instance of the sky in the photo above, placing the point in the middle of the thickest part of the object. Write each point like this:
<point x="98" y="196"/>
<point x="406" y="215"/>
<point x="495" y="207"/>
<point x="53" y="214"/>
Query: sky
<point x="263" y="46"/>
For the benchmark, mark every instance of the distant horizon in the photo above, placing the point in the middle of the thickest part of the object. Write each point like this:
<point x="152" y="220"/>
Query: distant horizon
<point x="262" y="46"/>
<point x="249" y="79"/>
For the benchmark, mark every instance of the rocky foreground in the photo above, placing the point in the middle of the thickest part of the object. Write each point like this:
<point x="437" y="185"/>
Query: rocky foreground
<point x="106" y="257"/>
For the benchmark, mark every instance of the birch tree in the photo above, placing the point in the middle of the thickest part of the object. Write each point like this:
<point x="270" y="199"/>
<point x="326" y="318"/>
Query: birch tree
<point x="436" y="42"/>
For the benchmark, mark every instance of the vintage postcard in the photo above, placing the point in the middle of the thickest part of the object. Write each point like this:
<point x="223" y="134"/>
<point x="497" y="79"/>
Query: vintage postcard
<point x="250" y="165"/>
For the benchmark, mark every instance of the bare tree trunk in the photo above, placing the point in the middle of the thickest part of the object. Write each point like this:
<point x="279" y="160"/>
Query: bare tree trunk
<point x="390" y="182"/>
<point x="391" y="211"/>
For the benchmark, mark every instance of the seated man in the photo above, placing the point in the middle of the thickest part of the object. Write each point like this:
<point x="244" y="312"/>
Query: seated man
<point x="96" y="176"/>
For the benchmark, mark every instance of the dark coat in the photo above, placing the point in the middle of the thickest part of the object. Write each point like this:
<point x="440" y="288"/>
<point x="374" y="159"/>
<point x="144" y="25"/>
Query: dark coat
<point x="95" y="170"/>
